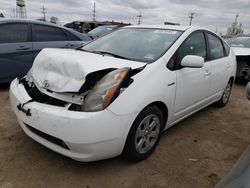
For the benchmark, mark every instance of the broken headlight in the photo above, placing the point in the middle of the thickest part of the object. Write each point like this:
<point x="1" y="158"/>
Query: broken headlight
<point x="105" y="91"/>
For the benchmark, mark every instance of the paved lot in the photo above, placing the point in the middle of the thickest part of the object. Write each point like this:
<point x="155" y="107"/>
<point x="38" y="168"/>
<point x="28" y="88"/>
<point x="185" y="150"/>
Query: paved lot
<point x="195" y="153"/>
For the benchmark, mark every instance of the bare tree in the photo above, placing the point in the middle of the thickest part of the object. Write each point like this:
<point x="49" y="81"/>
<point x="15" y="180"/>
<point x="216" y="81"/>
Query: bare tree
<point x="54" y="20"/>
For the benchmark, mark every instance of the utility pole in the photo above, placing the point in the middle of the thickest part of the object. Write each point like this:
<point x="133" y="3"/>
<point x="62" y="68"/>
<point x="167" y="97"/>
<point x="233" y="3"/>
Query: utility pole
<point x="44" y="12"/>
<point x="94" y="13"/>
<point x="14" y="13"/>
<point x="139" y="18"/>
<point x="191" y="16"/>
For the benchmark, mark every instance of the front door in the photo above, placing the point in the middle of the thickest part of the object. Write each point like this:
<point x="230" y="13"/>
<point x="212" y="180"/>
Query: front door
<point x="15" y="51"/>
<point x="192" y="84"/>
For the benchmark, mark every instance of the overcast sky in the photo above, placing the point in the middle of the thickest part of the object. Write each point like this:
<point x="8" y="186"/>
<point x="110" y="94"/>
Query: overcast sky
<point x="214" y="14"/>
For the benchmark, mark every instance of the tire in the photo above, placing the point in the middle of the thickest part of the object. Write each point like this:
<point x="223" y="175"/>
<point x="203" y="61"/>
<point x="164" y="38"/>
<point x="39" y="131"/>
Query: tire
<point x="225" y="96"/>
<point x="143" y="138"/>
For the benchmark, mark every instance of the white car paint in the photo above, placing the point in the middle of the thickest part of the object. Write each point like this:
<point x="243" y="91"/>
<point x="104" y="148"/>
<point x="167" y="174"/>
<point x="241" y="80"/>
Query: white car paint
<point x="67" y="74"/>
<point x="99" y="135"/>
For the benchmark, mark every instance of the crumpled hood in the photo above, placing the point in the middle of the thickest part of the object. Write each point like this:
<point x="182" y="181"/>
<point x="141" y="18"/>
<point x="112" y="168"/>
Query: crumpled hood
<point x="65" y="70"/>
<point x="241" y="51"/>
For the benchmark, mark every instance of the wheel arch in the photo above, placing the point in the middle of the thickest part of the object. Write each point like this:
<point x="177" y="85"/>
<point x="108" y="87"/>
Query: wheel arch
<point x="164" y="109"/>
<point x="232" y="80"/>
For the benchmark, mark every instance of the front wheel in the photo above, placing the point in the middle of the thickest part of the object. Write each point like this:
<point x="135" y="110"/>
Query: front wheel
<point x="144" y="134"/>
<point x="225" y="96"/>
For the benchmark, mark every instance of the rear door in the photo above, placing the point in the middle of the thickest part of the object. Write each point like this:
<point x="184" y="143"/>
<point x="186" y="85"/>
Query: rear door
<point x="219" y="63"/>
<point x="192" y="84"/>
<point x="15" y="50"/>
<point x="48" y="37"/>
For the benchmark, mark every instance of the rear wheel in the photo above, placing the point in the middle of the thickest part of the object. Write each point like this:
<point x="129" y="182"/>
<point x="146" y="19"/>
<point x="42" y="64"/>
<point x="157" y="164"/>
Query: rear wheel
<point x="225" y="96"/>
<point x="144" y="134"/>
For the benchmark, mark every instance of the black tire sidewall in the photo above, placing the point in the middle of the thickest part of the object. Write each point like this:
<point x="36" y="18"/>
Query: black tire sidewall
<point x="221" y="103"/>
<point x="129" y="151"/>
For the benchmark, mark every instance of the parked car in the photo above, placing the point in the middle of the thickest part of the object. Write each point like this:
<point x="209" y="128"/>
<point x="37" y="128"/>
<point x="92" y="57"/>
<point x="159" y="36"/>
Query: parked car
<point x="22" y="40"/>
<point x="117" y="94"/>
<point x="102" y="31"/>
<point x="241" y="47"/>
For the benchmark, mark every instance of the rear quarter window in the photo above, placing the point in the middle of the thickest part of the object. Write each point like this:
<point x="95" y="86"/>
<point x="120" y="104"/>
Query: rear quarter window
<point x="215" y="46"/>
<point x="227" y="48"/>
<point x="71" y="37"/>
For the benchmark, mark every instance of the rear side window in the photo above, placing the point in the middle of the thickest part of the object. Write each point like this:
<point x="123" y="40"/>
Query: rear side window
<point x="216" y="48"/>
<point x="71" y="37"/>
<point x="195" y="44"/>
<point x="13" y="33"/>
<point x="47" y="33"/>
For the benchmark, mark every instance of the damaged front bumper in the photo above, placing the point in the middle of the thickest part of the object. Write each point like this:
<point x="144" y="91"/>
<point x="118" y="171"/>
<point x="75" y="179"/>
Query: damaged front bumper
<point x="83" y="136"/>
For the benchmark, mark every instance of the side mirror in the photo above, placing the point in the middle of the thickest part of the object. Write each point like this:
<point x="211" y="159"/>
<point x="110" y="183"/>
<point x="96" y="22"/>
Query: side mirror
<point x="193" y="61"/>
<point x="248" y="91"/>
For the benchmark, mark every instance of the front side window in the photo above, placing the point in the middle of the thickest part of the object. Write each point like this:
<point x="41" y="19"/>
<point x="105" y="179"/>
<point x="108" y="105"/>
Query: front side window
<point x="13" y="33"/>
<point x="216" y="48"/>
<point x="195" y="44"/>
<point x="45" y="33"/>
<point x="139" y="44"/>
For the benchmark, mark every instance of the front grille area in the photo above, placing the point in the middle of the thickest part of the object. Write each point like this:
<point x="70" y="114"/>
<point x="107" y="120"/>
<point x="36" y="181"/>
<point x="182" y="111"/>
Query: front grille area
<point x="37" y="96"/>
<point x="50" y="138"/>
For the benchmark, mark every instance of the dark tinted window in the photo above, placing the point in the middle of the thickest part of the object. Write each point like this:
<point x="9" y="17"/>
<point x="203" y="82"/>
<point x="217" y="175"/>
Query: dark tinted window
<point x="71" y="37"/>
<point x="47" y="33"/>
<point x="194" y="45"/>
<point x="13" y="33"/>
<point x="216" y="48"/>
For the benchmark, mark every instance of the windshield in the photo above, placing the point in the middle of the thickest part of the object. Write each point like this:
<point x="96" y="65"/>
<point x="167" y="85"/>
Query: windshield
<point x="138" y="44"/>
<point x="242" y="42"/>
<point x="101" y="31"/>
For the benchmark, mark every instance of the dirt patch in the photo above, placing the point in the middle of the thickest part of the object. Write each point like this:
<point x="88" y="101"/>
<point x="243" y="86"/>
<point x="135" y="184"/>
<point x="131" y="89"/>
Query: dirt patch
<point x="195" y="153"/>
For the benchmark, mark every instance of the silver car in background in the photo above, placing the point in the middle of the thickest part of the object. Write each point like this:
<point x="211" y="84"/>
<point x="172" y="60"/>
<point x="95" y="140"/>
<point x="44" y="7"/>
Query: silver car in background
<point x="241" y="48"/>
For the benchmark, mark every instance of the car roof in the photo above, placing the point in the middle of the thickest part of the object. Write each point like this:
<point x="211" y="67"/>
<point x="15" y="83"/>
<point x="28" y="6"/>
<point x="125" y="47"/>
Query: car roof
<point x="80" y="35"/>
<point x="170" y="27"/>
<point x="14" y="20"/>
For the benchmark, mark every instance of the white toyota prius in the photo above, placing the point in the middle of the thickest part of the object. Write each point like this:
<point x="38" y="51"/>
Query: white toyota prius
<point x="117" y="94"/>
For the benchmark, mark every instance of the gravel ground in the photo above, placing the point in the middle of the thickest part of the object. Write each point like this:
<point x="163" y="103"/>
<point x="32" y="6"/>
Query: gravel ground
<point x="195" y="153"/>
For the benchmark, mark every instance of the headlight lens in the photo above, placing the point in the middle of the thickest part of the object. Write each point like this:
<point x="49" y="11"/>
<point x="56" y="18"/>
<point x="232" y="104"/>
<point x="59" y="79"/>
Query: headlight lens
<point x="105" y="91"/>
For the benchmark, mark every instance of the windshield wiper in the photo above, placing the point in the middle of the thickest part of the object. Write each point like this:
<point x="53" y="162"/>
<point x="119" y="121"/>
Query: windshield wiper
<point x="81" y="49"/>
<point x="109" y="53"/>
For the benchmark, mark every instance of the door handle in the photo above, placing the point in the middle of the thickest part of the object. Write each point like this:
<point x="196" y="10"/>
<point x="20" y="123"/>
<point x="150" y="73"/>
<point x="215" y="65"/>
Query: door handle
<point x="207" y="73"/>
<point x="70" y="45"/>
<point x="22" y="49"/>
